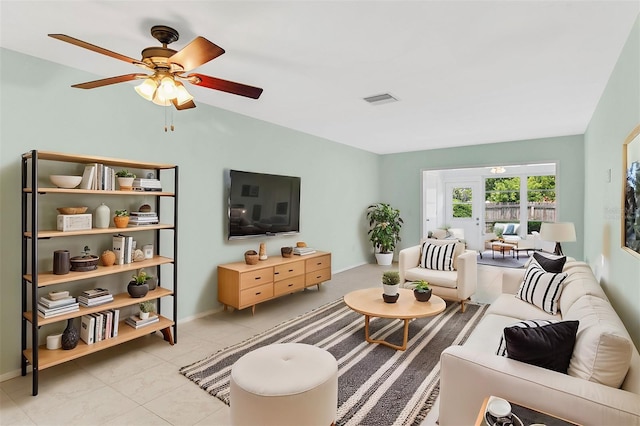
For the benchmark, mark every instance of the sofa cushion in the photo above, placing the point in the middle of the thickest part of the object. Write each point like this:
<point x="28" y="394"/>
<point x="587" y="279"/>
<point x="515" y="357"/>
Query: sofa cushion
<point x="437" y="256"/>
<point x="603" y="347"/>
<point x="459" y="249"/>
<point x="580" y="282"/>
<point x="502" y="346"/>
<point x="508" y="305"/>
<point x="549" y="346"/>
<point x="541" y="288"/>
<point x="447" y="279"/>
<point x="550" y="262"/>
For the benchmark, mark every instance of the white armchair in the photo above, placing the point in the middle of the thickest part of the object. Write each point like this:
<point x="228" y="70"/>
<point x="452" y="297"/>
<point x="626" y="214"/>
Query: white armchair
<point x="457" y="285"/>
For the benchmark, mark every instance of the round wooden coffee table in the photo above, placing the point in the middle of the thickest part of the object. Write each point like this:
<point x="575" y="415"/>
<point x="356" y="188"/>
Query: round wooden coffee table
<point x="369" y="303"/>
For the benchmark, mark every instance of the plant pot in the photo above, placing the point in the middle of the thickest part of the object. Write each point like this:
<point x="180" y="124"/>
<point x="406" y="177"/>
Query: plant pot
<point x="390" y="299"/>
<point x="121" y="221"/>
<point x="390" y="290"/>
<point x="422" y="296"/>
<point x="144" y="315"/>
<point x="125" y="183"/>
<point x="286" y="251"/>
<point x="137" y="290"/>
<point x="384" y="258"/>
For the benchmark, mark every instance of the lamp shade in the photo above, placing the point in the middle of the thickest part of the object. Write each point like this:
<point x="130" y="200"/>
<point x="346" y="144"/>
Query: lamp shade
<point x="147" y="89"/>
<point x="559" y="232"/>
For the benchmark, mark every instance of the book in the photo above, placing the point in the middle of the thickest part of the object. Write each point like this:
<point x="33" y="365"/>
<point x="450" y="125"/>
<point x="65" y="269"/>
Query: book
<point x="87" y="329"/>
<point x="95" y="301"/>
<point x="88" y="176"/>
<point x="118" y="249"/>
<point x="46" y="302"/>
<point x="106" y="330"/>
<point x="96" y="292"/>
<point x="99" y="321"/>
<point x="301" y="251"/>
<point x="49" y="313"/>
<point x="135" y="321"/>
<point x="136" y="326"/>
<point x="116" y="319"/>
<point x="143" y="214"/>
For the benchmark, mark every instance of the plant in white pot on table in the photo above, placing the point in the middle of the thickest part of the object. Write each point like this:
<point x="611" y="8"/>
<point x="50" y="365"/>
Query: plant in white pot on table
<point x="146" y="308"/>
<point x="384" y="233"/>
<point x="390" y="286"/>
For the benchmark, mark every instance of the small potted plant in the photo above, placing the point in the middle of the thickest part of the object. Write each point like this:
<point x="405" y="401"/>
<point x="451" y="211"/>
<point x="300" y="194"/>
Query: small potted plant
<point x="125" y="180"/>
<point x="121" y="219"/>
<point x="146" y="308"/>
<point x="421" y="291"/>
<point x="138" y="286"/>
<point x="390" y="285"/>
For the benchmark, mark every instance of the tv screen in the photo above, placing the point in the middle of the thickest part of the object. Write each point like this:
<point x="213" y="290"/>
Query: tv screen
<point x="263" y="204"/>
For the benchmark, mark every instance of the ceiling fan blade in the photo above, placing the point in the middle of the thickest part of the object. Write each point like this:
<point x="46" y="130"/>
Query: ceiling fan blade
<point x="186" y="105"/>
<point x="97" y="49"/>
<point x="108" y="81"/>
<point x="225" y="85"/>
<point x="198" y="52"/>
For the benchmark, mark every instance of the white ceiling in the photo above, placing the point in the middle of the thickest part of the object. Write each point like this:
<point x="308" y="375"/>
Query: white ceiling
<point x="465" y="72"/>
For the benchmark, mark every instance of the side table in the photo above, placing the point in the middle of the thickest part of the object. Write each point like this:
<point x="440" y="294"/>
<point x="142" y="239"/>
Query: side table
<point x="529" y="416"/>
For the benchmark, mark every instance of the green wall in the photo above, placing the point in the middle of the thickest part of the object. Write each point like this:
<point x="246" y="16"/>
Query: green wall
<point x="40" y="111"/>
<point x="618" y="112"/>
<point x="405" y="171"/>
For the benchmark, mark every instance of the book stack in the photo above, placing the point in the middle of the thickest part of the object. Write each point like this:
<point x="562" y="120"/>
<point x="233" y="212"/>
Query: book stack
<point x="143" y="218"/>
<point x="123" y="248"/>
<point x="141" y="184"/>
<point x="301" y="251"/>
<point x="48" y="307"/>
<point x="98" y="176"/>
<point x="99" y="326"/>
<point x="95" y="297"/>
<point x="135" y="321"/>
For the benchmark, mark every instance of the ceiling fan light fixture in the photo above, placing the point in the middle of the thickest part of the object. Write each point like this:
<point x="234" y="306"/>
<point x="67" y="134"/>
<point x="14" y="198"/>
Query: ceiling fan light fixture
<point x="159" y="99"/>
<point x="167" y="88"/>
<point x="182" y="95"/>
<point x="147" y="89"/>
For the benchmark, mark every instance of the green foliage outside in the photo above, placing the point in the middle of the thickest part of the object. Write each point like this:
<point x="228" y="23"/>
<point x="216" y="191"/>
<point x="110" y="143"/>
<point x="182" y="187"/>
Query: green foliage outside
<point x="507" y="190"/>
<point x="462" y="210"/>
<point x="462" y="198"/>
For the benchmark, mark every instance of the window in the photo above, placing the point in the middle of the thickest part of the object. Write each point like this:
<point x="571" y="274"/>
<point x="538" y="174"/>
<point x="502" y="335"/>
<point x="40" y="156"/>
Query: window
<point x="462" y="203"/>
<point x="502" y="201"/>
<point x="541" y="201"/>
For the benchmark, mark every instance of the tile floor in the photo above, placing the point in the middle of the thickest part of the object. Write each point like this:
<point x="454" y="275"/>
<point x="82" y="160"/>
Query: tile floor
<point x="138" y="383"/>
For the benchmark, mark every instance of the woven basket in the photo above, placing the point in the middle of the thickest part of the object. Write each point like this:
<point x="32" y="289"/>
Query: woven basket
<point x="286" y="251"/>
<point x="251" y="257"/>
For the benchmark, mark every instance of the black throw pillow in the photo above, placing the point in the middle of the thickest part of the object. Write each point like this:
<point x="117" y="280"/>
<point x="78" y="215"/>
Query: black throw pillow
<point x="550" y="262"/>
<point x="548" y="346"/>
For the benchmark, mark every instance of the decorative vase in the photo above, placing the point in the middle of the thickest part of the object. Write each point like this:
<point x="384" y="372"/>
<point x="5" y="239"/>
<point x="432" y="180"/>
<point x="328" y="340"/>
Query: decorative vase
<point x="103" y="216"/>
<point x="137" y="290"/>
<point x="152" y="283"/>
<point x="121" y="221"/>
<point x="263" y="251"/>
<point x="108" y="258"/>
<point x="70" y="335"/>
<point x="61" y="262"/>
<point x="125" y="183"/>
<point x="422" y="296"/>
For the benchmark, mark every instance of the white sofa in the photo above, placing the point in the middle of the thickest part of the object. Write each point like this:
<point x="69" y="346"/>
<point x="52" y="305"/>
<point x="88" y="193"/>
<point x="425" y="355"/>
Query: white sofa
<point x="457" y="285"/>
<point x="473" y="371"/>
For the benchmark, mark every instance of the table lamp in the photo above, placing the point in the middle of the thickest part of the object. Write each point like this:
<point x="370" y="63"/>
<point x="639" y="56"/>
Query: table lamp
<point x="559" y="232"/>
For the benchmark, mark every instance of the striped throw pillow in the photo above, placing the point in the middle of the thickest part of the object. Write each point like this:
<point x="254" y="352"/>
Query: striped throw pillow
<point x="541" y="288"/>
<point x="437" y="256"/>
<point x="502" y="346"/>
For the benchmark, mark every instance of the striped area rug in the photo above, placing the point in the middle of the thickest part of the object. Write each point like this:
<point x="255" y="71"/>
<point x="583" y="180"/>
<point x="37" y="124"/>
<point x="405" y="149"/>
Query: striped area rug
<point x="377" y="385"/>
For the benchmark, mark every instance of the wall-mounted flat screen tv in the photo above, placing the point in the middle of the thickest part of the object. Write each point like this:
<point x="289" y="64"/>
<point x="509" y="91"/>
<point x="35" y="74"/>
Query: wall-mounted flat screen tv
<point x="262" y="204"/>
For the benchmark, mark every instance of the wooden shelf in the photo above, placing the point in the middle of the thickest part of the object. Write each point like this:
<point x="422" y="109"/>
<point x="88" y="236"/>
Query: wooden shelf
<point x="73" y="158"/>
<point x="96" y="231"/>
<point x="49" y="358"/>
<point x="119" y="301"/>
<point x="48" y="278"/>
<point x="45" y="190"/>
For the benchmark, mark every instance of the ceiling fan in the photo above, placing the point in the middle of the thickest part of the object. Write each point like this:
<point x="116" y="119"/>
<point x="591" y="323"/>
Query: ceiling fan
<point x="164" y="87"/>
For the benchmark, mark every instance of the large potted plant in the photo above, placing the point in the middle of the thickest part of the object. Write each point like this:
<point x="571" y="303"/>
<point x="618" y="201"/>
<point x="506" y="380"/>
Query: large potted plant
<point x="384" y="230"/>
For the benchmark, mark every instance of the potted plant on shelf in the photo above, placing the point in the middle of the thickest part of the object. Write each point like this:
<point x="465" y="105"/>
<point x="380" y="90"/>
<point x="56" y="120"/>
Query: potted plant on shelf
<point x="384" y="231"/>
<point x="138" y="286"/>
<point x="121" y="219"/>
<point x="146" y="308"/>
<point x="390" y="285"/>
<point x="125" y="180"/>
<point x="422" y="291"/>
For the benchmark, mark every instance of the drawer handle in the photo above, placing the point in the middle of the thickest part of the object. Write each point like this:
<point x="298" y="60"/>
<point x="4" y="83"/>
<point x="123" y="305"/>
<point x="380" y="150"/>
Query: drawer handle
<point x="276" y="273"/>
<point x="319" y="263"/>
<point x="257" y="278"/>
<point x="290" y="285"/>
<point x="290" y="270"/>
<point x="258" y="293"/>
<point x="319" y="276"/>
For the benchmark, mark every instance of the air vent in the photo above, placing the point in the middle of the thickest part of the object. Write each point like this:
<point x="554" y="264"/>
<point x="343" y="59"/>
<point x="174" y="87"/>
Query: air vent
<point x="384" y="98"/>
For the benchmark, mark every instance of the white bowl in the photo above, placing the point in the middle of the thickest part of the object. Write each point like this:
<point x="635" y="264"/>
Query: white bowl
<point x="63" y="181"/>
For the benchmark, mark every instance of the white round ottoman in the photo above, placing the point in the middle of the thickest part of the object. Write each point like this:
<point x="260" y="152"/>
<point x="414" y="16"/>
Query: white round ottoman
<point x="284" y="384"/>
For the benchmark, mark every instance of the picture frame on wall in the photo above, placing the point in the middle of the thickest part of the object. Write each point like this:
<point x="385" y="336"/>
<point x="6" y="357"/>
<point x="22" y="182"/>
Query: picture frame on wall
<point x="631" y="193"/>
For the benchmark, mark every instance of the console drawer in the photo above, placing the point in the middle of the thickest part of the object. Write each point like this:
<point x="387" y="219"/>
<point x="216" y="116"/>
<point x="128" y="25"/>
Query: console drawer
<point x="257" y="294"/>
<point x="320" y="262"/>
<point x="281" y="272"/>
<point x="253" y="278"/>
<point x="317" y="277"/>
<point x="289" y="285"/>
